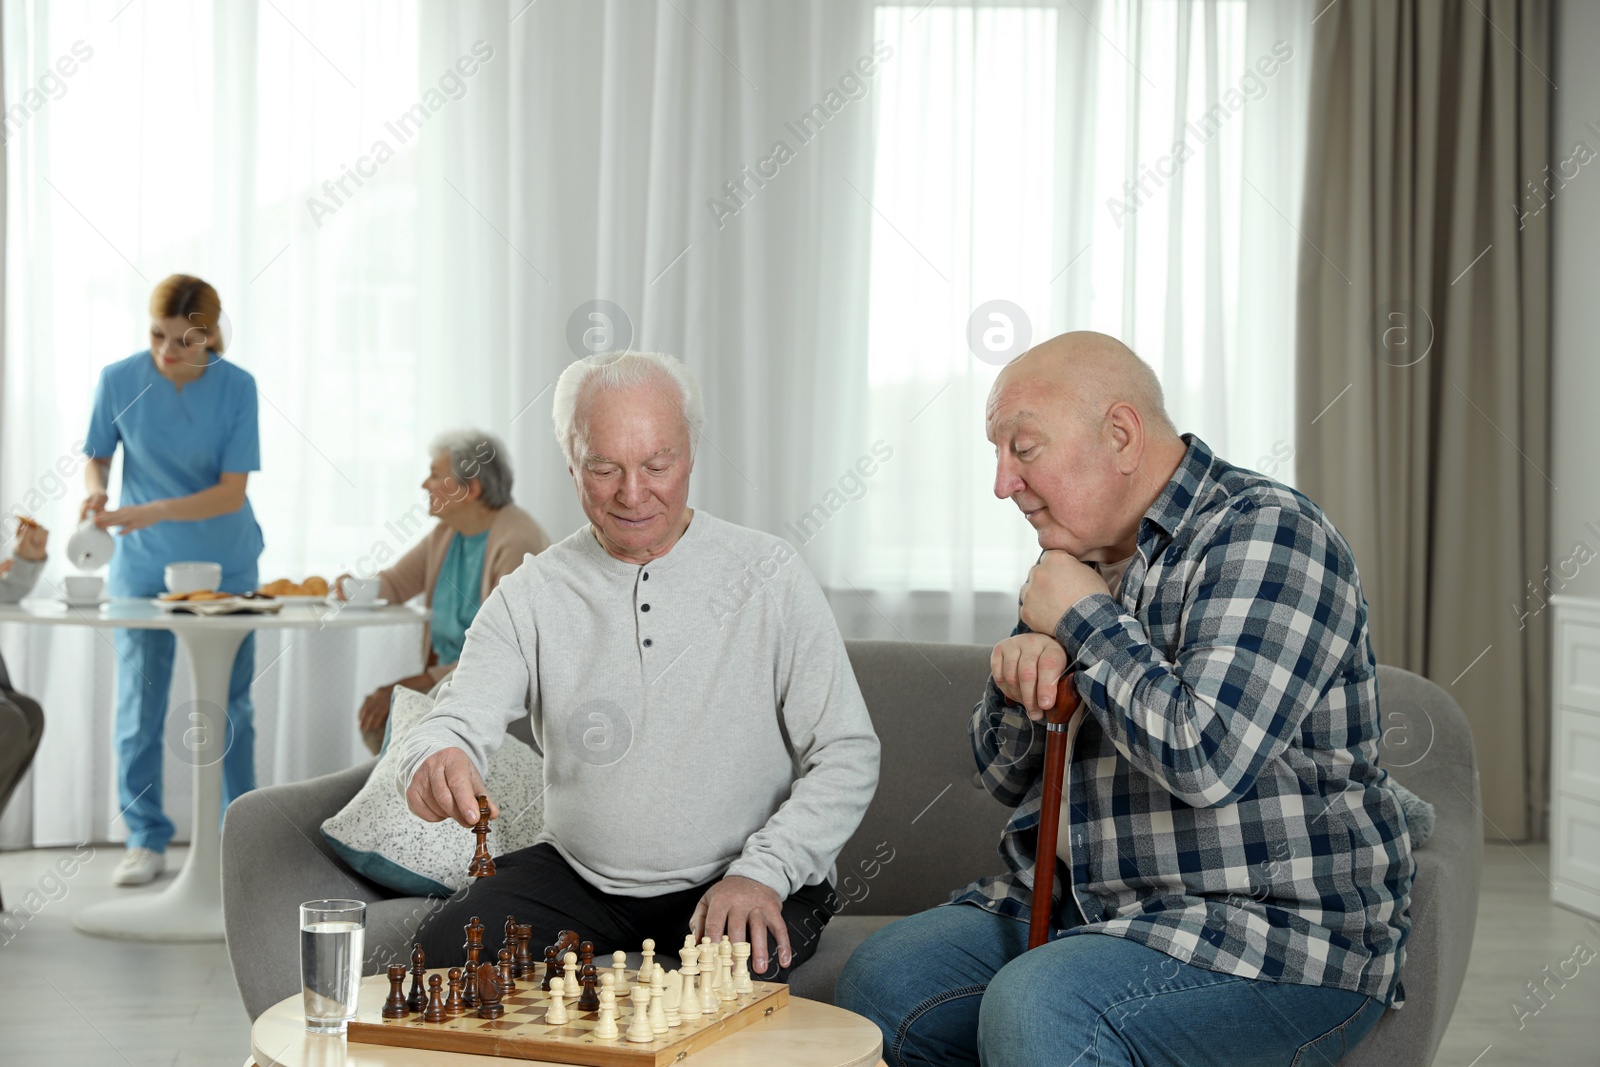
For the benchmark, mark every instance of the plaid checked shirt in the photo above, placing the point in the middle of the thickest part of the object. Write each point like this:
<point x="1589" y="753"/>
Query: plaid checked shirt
<point x="1226" y="804"/>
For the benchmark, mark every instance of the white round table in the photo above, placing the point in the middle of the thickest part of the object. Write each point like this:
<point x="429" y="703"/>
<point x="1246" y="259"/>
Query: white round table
<point x="189" y="908"/>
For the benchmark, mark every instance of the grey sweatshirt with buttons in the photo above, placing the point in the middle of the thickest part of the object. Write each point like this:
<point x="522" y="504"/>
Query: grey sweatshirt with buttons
<point x="697" y="715"/>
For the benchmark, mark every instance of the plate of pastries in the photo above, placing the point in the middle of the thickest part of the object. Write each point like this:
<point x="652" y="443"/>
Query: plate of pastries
<point x="313" y="590"/>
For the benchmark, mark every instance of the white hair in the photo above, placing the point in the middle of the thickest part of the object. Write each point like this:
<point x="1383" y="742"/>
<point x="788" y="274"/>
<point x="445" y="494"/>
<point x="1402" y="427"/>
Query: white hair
<point x="621" y="370"/>
<point x="476" y="454"/>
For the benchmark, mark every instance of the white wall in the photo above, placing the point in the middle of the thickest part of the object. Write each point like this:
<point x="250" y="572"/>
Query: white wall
<point x="1574" y="215"/>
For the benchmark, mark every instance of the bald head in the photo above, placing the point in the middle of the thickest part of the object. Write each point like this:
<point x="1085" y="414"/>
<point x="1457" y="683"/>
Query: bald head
<point x="1090" y="372"/>
<point x="1083" y="443"/>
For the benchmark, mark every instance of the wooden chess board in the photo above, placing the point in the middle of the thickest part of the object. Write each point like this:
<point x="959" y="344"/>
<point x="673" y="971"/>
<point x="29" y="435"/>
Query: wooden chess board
<point x="522" y="1033"/>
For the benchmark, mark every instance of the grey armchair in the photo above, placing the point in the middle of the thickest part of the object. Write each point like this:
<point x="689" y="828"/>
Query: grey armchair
<point x="929" y="830"/>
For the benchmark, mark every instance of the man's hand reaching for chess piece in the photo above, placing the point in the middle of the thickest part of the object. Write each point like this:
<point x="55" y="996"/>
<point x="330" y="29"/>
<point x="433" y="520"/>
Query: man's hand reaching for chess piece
<point x="745" y="910"/>
<point x="447" y="786"/>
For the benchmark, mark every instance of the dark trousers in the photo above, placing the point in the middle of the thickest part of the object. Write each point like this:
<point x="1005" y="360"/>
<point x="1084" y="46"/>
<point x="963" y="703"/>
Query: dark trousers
<point x="21" y="727"/>
<point x="539" y="888"/>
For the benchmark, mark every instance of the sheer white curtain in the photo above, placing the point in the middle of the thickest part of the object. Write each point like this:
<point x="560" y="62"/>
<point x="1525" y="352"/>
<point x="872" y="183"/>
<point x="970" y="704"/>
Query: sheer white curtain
<point x="1126" y="166"/>
<point x="418" y="214"/>
<point x="410" y="211"/>
<point x="189" y="137"/>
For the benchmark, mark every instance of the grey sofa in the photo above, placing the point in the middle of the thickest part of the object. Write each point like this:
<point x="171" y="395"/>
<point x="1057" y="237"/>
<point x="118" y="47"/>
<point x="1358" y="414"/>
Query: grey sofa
<point x="929" y="830"/>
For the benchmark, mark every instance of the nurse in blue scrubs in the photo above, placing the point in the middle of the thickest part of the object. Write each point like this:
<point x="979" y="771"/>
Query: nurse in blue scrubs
<point x="185" y="419"/>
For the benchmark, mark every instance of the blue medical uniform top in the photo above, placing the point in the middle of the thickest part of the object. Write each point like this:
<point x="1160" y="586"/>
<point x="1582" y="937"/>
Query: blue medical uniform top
<point x="455" y="597"/>
<point x="177" y="443"/>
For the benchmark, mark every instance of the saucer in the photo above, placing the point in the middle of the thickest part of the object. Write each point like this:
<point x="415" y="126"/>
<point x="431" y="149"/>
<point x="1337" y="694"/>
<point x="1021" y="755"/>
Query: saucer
<point x="96" y="603"/>
<point x="368" y="606"/>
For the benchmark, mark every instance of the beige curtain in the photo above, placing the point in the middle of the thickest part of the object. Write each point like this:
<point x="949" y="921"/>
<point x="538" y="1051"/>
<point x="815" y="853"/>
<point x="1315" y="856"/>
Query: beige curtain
<point x="1422" y="362"/>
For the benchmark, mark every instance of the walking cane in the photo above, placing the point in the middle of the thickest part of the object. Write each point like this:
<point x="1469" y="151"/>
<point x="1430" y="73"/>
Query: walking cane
<point x="1056" y="718"/>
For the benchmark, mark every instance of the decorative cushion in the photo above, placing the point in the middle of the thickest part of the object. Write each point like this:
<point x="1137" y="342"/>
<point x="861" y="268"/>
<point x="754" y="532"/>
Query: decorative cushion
<point x="378" y="836"/>
<point x="1418" y="812"/>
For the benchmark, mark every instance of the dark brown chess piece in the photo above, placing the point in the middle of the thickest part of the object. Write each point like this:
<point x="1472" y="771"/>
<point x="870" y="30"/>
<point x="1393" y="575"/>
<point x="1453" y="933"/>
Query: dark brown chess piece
<point x="510" y="939"/>
<point x="435" y="1010"/>
<point x="586" y="953"/>
<point x="474" y="945"/>
<point x="452" y="1003"/>
<point x="395" y="1007"/>
<point x="589" y="998"/>
<point x="524" y="965"/>
<point x="418" y="1000"/>
<point x="489" y="993"/>
<point x="482" y="865"/>
<point x="551" y="967"/>
<point x="507" y="982"/>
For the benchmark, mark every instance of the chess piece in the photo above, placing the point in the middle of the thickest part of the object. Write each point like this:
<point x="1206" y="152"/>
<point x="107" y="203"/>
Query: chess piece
<point x="647" y="960"/>
<point x="586" y="954"/>
<point x="672" y="998"/>
<point x="507" y="984"/>
<point x="689" y="1001"/>
<point x="452" y="1003"/>
<point x="489" y="993"/>
<point x="725" y="990"/>
<point x="741" y="968"/>
<point x="658" y="994"/>
<point x="510" y="939"/>
<point x="639" y="1026"/>
<point x="395" y="1007"/>
<point x="619" y="969"/>
<point x="710" y="1002"/>
<point x="556" y="1013"/>
<point x="473" y="947"/>
<point x="551" y="968"/>
<point x="482" y="865"/>
<point x="522" y="961"/>
<point x="569" y="970"/>
<point x="418" y="1000"/>
<point x="434" y="1013"/>
<point x="588" y="999"/>
<point x="605" y="1027"/>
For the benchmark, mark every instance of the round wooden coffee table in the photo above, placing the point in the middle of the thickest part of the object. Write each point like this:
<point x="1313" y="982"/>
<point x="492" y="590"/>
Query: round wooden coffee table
<point x="806" y="1033"/>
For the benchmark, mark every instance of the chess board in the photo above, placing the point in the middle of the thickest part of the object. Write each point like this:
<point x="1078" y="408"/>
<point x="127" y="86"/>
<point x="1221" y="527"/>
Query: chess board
<point x="522" y="1033"/>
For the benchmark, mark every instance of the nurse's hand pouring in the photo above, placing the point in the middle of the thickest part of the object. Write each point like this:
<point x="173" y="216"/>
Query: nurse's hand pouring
<point x="134" y="517"/>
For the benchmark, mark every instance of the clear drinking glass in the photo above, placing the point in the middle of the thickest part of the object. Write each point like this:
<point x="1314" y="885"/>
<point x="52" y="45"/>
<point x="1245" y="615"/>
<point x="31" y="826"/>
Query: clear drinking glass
<point x="332" y="937"/>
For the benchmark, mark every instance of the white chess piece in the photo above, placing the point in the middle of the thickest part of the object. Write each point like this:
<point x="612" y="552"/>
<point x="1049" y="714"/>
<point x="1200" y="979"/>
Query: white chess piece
<point x="658" y="995"/>
<point x="619" y="969"/>
<point x="556" y="1014"/>
<point x="569" y="972"/>
<point x="710" y="1003"/>
<point x="725" y="990"/>
<point x="710" y="973"/>
<point x="672" y="998"/>
<point x="689" y="1001"/>
<point x="605" y="1027"/>
<point x="639" y="1030"/>
<point x="741" y="968"/>
<point x="647" y="960"/>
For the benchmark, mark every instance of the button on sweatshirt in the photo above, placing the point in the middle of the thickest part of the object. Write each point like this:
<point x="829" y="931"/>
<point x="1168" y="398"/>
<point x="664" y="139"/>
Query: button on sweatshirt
<point x="697" y="715"/>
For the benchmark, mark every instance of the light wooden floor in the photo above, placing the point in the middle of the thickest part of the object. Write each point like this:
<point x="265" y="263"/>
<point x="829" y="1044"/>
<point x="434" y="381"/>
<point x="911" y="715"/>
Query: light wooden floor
<point x="70" y="999"/>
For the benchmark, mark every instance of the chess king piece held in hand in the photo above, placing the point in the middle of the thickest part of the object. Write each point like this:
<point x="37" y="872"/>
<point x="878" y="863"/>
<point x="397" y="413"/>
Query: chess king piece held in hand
<point x="482" y="865"/>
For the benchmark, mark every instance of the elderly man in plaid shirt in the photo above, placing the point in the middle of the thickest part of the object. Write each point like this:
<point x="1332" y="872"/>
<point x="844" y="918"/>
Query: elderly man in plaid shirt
<point x="1234" y="867"/>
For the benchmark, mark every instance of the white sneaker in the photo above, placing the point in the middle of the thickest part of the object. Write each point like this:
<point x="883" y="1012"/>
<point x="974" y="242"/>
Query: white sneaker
<point x="139" y="866"/>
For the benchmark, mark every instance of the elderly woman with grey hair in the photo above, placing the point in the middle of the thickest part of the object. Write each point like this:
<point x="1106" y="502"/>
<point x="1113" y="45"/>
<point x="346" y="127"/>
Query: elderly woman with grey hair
<point x="481" y="537"/>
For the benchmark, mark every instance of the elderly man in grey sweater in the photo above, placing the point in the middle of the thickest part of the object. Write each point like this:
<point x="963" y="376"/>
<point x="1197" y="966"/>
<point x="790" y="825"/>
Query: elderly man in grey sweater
<point x="706" y="749"/>
<point x="21" y="718"/>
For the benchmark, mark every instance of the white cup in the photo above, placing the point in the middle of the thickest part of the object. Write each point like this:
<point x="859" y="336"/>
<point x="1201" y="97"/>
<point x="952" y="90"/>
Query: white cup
<point x="360" y="591"/>
<point x="83" y="588"/>
<point x="193" y="577"/>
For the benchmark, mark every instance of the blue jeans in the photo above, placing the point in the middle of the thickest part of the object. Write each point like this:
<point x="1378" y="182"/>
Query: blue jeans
<point x="957" y="985"/>
<point x="144" y="678"/>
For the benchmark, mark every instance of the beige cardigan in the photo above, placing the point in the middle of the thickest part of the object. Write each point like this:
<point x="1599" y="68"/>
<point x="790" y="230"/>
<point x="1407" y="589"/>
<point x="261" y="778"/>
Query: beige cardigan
<point x="513" y="536"/>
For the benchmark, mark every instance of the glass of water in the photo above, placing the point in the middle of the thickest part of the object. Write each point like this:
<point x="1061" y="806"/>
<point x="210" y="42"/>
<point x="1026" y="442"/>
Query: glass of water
<point x="332" y="934"/>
